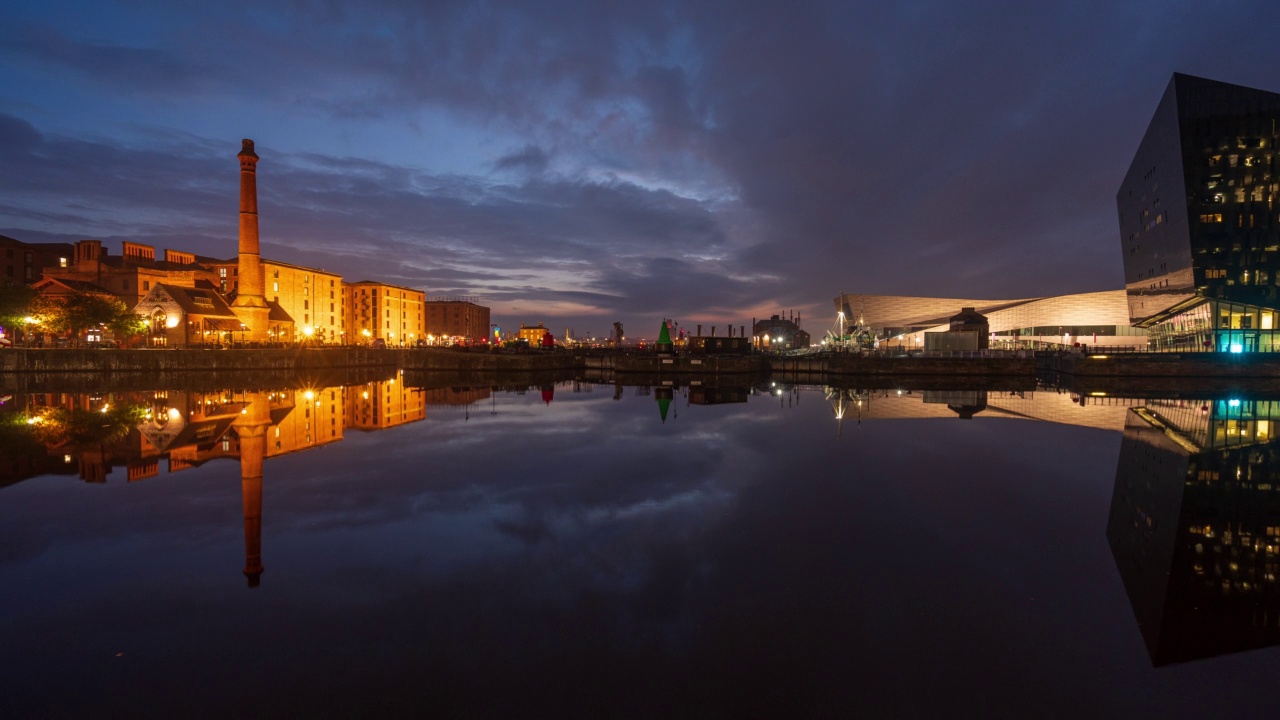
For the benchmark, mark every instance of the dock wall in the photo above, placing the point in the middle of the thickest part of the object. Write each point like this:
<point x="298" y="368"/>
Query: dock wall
<point x="1200" y="365"/>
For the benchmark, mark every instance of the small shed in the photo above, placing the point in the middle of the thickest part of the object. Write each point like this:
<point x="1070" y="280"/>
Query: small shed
<point x="970" y="320"/>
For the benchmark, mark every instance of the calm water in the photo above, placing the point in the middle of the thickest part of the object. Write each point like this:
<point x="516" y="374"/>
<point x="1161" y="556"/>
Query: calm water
<point x="581" y="550"/>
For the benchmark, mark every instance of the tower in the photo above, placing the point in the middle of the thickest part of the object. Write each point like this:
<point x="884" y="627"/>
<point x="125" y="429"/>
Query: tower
<point x="1198" y="229"/>
<point x="250" y="305"/>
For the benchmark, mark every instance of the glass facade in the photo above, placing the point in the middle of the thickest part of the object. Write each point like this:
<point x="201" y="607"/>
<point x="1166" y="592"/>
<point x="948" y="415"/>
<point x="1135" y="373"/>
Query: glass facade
<point x="1218" y="326"/>
<point x="1198" y="217"/>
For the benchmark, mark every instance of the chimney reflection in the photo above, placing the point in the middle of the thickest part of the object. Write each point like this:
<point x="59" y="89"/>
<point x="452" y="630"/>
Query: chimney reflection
<point x="1194" y="526"/>
<point x="251" y="427"/>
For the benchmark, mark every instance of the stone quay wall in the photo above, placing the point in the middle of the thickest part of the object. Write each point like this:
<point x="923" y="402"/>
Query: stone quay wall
<point x="16" y="360"/>
<point x="483" y="361"/>
<point x="1207" y="365"/>
<point x="905" y="365"/>
<point x="678" y="364"/>
<point x="172" y="361"/>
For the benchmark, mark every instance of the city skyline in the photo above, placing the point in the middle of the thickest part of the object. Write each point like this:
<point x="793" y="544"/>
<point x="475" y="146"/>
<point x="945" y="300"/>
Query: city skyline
<point x="577" y="166"/>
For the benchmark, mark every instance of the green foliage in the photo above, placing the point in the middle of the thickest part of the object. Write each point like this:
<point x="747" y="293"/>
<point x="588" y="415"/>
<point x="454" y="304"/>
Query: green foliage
<point x="127" y="324"/>
<point x="56" y="426"/>
<point x="78" y="313"/>
<point x="16" y="303"/>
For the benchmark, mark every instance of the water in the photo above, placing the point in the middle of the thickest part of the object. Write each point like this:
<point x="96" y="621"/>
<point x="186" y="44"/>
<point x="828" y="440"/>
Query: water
<point x="568" y="551"/>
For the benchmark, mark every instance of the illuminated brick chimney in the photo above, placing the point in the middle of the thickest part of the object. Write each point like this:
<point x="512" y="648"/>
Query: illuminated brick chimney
<point x="250" y="305"/>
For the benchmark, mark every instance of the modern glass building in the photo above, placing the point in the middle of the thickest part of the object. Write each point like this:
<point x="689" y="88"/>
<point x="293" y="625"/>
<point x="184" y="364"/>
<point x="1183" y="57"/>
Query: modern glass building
<point x="1198" y="223"/>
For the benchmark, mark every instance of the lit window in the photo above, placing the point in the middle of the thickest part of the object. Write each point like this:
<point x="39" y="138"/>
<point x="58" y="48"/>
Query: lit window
<point x="62" y="262"/>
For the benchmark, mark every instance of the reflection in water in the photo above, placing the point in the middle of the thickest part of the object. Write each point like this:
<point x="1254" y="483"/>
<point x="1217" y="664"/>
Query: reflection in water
<point x="1194" y="523"/>
<point x="56" y="433"/>
<point x="859" y="405"/>
<point x="1195" y="526"/>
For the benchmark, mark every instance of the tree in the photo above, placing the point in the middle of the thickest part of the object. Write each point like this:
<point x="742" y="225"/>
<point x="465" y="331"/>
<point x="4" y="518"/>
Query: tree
<point x="77" y="313"/>
<point x="16" y="302"/>
<point x="126" y="324"/>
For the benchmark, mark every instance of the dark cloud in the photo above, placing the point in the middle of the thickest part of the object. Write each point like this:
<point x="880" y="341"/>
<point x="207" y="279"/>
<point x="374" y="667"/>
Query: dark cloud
<point x="535" y="240"/>
<point x="652" y="159"/>
<point x="529" y="159"/>
<point x="17" y="136"/>
<point x="135" y="69"/>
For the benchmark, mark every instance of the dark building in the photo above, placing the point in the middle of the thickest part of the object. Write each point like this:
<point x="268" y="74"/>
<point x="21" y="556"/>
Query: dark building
<point x="779" y="333"/>
<point x="24" y="263"/>
<point x="457" y="317"/>
<point x="717" y="345"/>
<point x="970" y="320"/>
<point x="1198" y="223"/>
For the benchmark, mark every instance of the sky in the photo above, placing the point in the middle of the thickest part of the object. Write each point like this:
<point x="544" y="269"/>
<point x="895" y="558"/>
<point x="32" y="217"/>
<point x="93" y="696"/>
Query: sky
<point x="580" y="163"/>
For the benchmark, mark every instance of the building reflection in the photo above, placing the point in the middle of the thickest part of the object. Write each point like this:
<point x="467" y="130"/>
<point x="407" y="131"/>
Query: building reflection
<point x="44" y="434"/>
<point x="1044" y="405"/>
<point x="382" y="405"/>
<point x="1194" y="526"/>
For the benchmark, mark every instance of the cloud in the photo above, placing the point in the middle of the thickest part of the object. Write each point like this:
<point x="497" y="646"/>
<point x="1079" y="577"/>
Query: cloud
<point x="658" y="158"/>
<point x="600" y="245"/>
<point x="531" y="158"/>
<point x="17" y="136"/>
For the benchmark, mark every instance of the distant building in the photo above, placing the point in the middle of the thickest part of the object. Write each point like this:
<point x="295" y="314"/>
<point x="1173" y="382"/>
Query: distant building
<point x="130" y="275"/>
<point x="24" y="263"/>
<point x="1199" y="232"/>
<point x="456" y="317"/>
<point x="378" y="310"/>
<point x="532" y="333"/>
<point x="717" y="345"/>
<point x="779" y="333"/>
<point x="1098" y="318"/>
